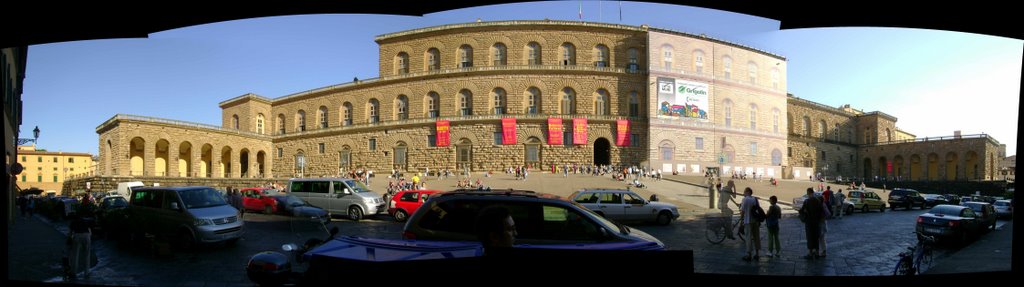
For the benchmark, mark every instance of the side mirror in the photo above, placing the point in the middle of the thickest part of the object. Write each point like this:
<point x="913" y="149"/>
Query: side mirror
<point x="174" y="206"/>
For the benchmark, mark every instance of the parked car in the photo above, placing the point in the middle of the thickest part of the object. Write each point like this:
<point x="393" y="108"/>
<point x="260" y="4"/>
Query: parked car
<point x="985" y="212"/>
<point x="931" y="200"/>
<point x="259" y="199"/>
<point x="111" y="212"/>
<point x="343" y="196"/>
<point x="188" y="215"/>
<point x="906" y="198"/>
<point x="952" y="199"/>
<point x="863" y="200"/>
<point x="798" y="202"/>
<point x="541" y="219"/>
<point x="292" y="205"/>
<point x="1003" y="208"/>
<point x="408" y="201"/>
<point x="951" y="222"/>
<point x="625" y="206"/>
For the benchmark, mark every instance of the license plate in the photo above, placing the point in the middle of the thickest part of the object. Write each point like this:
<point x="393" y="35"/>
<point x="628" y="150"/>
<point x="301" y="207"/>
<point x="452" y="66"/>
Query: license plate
<point x="933" y="230"/>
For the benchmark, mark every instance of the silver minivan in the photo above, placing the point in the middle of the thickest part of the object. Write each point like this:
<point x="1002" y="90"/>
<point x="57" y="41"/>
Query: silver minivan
<point x="344" y="196"/>
<point x="189" y="215"/>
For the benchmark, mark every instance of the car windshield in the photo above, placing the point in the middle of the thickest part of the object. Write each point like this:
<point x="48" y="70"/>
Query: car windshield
<point x="949" y="210"/>
<point x="115" y="202"/>
<point x="357" y="185"/>
<point x="200" y="198"/>
<point x="292" y="200"/>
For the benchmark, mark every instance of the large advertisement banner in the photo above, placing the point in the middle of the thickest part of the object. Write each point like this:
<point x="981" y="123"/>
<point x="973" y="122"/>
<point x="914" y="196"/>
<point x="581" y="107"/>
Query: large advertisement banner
<point x="579" y="131"/>
<point x="682" y="99"/>
<point x="622" y="133"/>
<point x="508" y="131"/>
<point x="554" y="131"/>
<point x="442" y="133"/>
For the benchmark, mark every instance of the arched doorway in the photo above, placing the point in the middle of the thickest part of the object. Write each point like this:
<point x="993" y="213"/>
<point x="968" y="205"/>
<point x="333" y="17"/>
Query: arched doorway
<point x="952" y="166"/>
<point x="933" y="166"/>
<point x="160" y="162"/>
<point x="137" y="151"/>
<point x="243" y="163"/>
<point x="897" y="166"/>
<point x="185" y="159"/>
<point x="225" y="162"/>
<point x="261" y="158"/>
<point x="883" y="168"/>
<point x="915" y="167"/>
<point x="602" y="152"/>
<point x="205" y="160"/>
<point x="971" y="166"/>
<point x="401" y="154"/>
<point x="867" y="169"/>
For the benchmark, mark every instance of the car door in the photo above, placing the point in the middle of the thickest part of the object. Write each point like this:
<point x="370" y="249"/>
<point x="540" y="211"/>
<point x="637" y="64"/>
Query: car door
<point x="970" y="222"/>
<point x="342" y="197"/>
<point x="636" y="208"/>
<point x="408" y="201"/>
<point x="873" y="200"/>
<point x="610" y="204"/>
<point x="588" y="200"/>
<point x="250" y="200"/>
<point x="317" y="193"/>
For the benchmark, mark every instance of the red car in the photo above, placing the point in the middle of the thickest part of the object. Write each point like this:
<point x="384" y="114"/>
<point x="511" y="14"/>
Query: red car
<point x="259" y="199"/>
<point x="407" y="201"/>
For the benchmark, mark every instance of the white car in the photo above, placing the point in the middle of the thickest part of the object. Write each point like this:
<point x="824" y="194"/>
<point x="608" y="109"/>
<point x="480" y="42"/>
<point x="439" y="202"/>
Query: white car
<point x="1003" y="208"/>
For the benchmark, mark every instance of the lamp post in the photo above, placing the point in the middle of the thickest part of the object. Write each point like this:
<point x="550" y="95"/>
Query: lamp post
<point x="35" y="135"/>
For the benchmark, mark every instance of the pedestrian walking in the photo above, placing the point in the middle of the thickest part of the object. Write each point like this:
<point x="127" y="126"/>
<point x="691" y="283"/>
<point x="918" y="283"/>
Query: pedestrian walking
<point x="81" y="247"/>
<point x="811" y="213"/>
<point x="824" y="229"/>
<point x="839" y="205"/>
<point x="751" y="226"/>
<point x="774" y="215"/>
<point x="725" y="195"/>
<point x="236" y="201"/>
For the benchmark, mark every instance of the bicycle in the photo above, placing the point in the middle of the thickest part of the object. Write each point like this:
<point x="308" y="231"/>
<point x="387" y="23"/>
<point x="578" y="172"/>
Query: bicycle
<point x="916" y="258"/>
<point x="715" y="231"/>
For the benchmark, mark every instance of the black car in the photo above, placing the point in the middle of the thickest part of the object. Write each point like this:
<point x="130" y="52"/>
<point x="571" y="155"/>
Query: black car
<point x="294" y="206"/>
<point x="952" y="198"/>
<point x="951" y="222"/>
<point x="906" y="198"/>
<point x="931" y="200"/>
<point x="985" y="212"/>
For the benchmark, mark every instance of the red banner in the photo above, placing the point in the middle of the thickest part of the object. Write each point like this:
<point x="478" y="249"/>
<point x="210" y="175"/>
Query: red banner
<point x="579" y="131"/>
<point x="554" y="131"/>
<point x="508" y="131"/>
<point x="622" y="133"/>
<point x="888" y="167"/>
<point x="442" y="133"/>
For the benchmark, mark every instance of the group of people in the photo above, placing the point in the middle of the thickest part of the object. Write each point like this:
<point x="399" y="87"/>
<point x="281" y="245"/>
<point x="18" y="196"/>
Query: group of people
<point x="520" y="172"/>
<point x="815" y="213"/>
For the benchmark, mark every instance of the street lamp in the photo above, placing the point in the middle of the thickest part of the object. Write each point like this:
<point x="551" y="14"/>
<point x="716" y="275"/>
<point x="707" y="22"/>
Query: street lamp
<point x="826" y="172"/>
<point x="35" y="134"/>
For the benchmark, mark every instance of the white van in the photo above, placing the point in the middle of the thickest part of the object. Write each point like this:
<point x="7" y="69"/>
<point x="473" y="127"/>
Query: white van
<point x="344" y="196"/>
<point x="125" y="188"/>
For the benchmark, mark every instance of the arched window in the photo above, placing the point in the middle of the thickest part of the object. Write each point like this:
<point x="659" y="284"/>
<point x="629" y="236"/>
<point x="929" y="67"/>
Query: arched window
<point x="727" y="107"/>
<point x="753" y="117"/>
<point x="727" y="66"/>
<point x="775" y="120"/>
<point x="400" y="152"/>
<point x="499" y="97"/>
<point x="698" y="61"/>
<point x="752" y="73"/>
<point x="498" y="54"/>
<point x="259" y="124"/>
<point x="300" y="121"/>
<point x="464" y="152"/>
<point x="667" y="150"/>
<point x="776" y="157"/>
<point x="568" y="54"/>
<point x="346" y="110"/>
<point x="822" y="129"/>
<point x="372" y="109"/>
<point x="322" y="115"/>
<point x="300" y="163"/>
<point x="465" y="56"/>
<point x="433" y="61"/>
<point x="888" y="135"/>
<point x="280" y="124"/>
<point x="568" y="101"/>
<point x="806" y="131"/>
<point x="601" y="102"/>
<point x="433" y="101"/>
<point x="234" y="121"/>
<point x="401" y="107"/>
<point x="634" y="104"/>
<point x="402" y="63"/>
<point x="634" y="59"/>
<point x="533" y="100"/>
<point x="601" y="56"/>
<point x="775" y="79"/>
<point x="533" y="53"/>
<point x="666" y="56"/>
<point x="465" y="102"/>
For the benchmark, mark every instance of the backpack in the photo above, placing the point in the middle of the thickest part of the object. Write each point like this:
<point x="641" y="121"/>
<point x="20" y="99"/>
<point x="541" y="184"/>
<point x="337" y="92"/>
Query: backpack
<point x="758" y="213"/>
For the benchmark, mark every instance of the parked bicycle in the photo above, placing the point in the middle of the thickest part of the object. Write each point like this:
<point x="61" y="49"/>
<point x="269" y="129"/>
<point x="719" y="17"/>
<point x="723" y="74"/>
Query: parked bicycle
<point x="715" y="231"/>
<point x="917" y="258"/>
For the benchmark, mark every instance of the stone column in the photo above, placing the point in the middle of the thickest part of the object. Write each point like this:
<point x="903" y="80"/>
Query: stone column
<point x="236" y="166"/>
<point x="149" y="158"/>
<point x="172" y="159"/>
<point x="215" y="158"/>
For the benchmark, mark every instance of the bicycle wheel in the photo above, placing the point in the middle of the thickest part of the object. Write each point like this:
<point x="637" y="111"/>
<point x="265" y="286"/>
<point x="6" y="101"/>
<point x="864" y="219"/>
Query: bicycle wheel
<point x="924" y="260"/>
<point x="739" y="231"/>
<point x="904" y="266"/>
<point x="715" y="231"/>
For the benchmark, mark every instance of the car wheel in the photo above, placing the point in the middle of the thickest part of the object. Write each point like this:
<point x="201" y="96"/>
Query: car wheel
<point x="401" y="216"/>
<point x="910" y="205"/>
<point x="849" y="210"/>
<point x="354" y="213"/>
<point x="186" y="242"/>
<point x="864" y="209"/>
<point x="664" y="218"/>
<point x="963" y="238"/>
<point x="923" y="205"/>
<point x="881" y="208"/>
<point x="268" y="209"/>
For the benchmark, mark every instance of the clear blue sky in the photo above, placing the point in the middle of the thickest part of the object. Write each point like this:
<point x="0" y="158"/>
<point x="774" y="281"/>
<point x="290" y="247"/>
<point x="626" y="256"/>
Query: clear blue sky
<point x="935" y="82"/>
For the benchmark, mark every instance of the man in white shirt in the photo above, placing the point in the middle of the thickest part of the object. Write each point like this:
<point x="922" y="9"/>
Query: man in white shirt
<point x="752" y="226"/>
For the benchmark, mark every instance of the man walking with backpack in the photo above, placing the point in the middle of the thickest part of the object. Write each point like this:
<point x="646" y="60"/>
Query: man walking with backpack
<point x="752" y="223"/>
